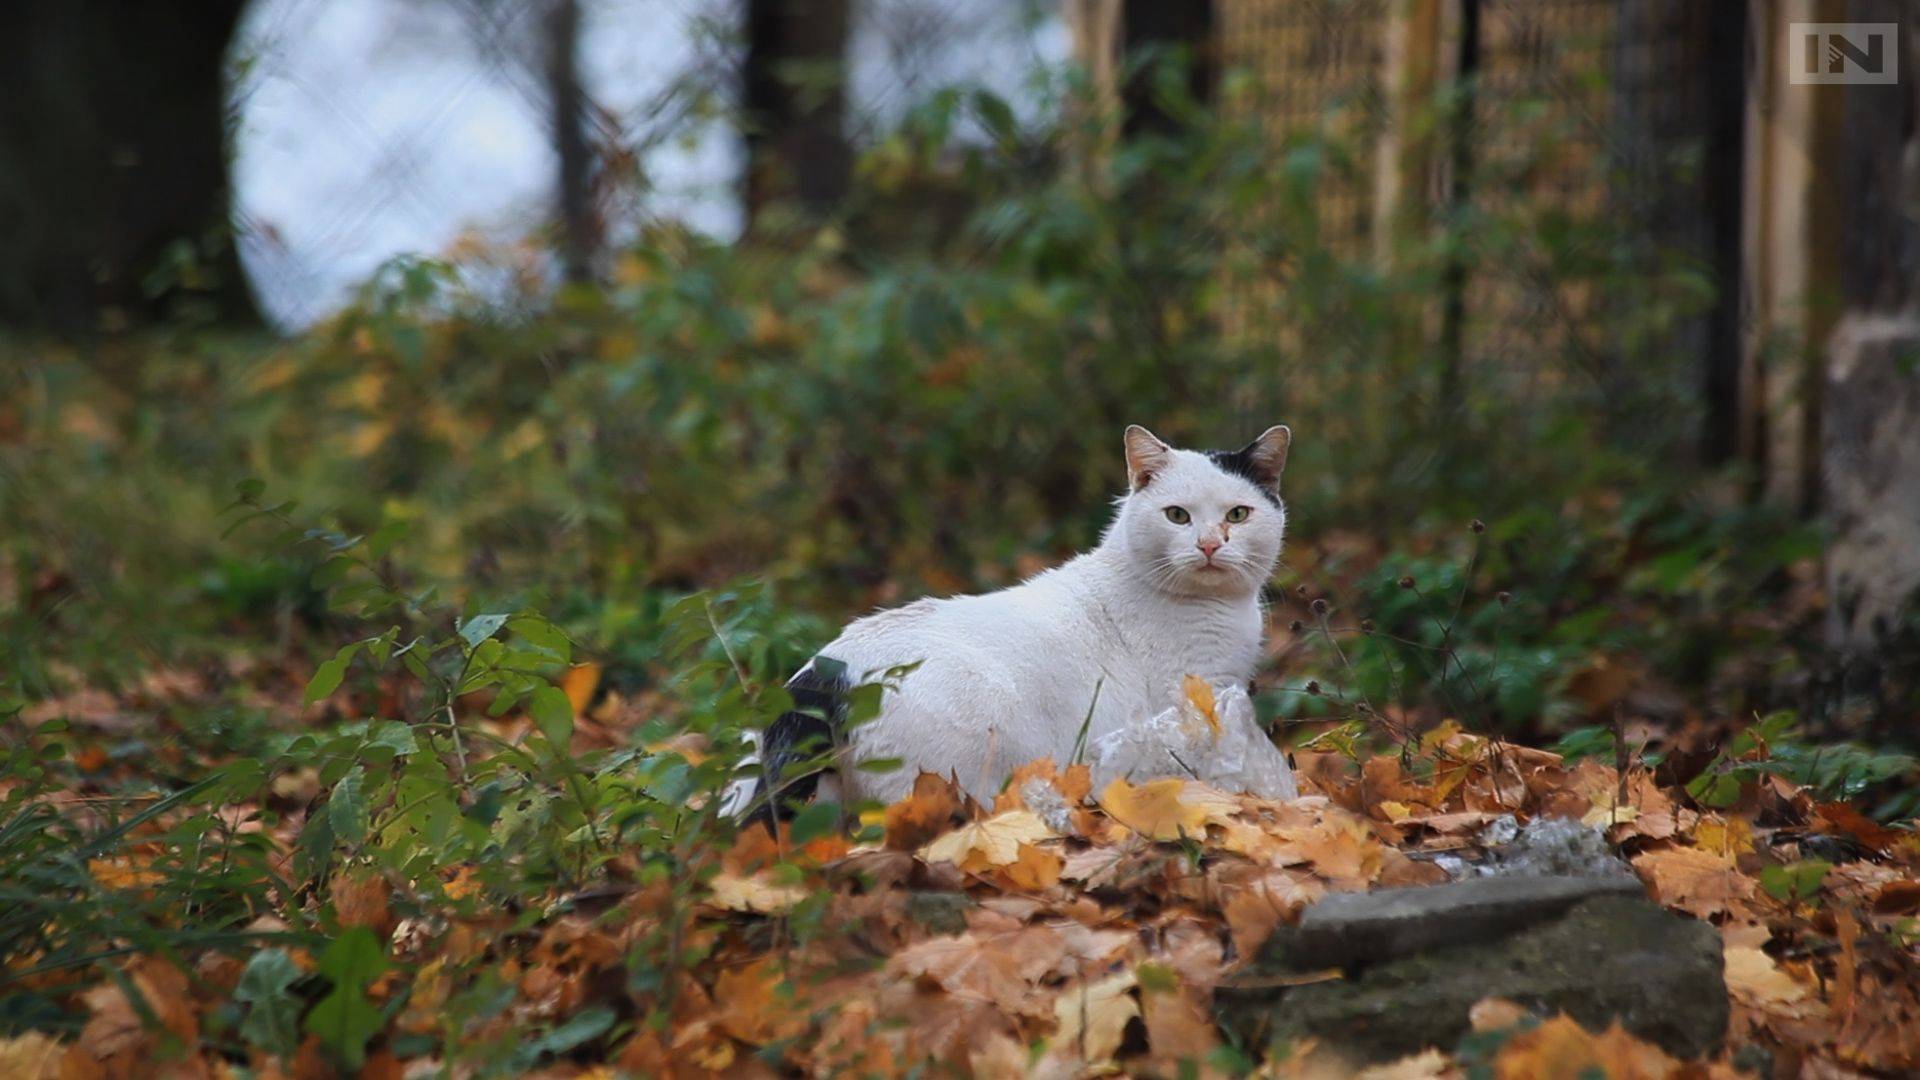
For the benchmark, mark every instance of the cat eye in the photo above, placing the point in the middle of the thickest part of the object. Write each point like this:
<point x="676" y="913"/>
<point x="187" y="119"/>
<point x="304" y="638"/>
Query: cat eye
<point x="1178" y="515"/>
<point x="1239" y="514"/>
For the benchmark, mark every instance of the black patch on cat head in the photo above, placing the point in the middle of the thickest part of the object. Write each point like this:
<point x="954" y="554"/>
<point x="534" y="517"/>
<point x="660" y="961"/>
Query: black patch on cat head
<point x="819" y="707"/>
<point x="1240" y="463"/>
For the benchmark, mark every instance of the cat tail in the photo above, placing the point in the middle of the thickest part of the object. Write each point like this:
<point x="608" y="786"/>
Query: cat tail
<point x="795" y="741"/>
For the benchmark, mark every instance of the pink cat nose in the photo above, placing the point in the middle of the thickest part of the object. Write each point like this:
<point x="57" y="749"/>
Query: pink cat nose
<point x="1208" y="545"/>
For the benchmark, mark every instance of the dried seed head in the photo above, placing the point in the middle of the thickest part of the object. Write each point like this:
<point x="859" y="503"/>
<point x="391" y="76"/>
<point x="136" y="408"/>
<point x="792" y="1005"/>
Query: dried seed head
<point x="1477" y="525"/>
<point x="1313" y="687"/>
<point x="1407" y="582"/>
<point x="1503" y="596"/>
<point x="1296" y="626"/>
<point x="1366" y="626"/>
<point x="1320" y="606"/>
<point x="1300" y="591"/>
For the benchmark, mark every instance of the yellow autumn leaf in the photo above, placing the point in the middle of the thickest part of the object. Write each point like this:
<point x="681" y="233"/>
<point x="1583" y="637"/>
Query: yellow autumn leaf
<point x="993" y="842"/>
<point x="1200" y="693"/>
<point x="579" y="683"/>
<point x="1154" y="809"/>
<point x="124" y="872"/>
<point x="1396" y="811"/>
<point x="1093" y="1017"/>
<point x="1036" y="868"/>
<point x="754" y="892"/>
<point x="1729" y="838"/>
<point x="1607" y="810"/>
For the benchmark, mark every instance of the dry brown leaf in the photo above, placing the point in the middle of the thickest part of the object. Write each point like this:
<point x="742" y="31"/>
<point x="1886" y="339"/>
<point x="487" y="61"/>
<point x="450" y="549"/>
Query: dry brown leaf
<point x="1753" y="979"/>
<point x="1179" y="1026"/>
<point x="1253" y="910"/>
<point x="1897" y="898"/>
<point x="1341" y="849"/>
<point x="360" y="899"/>
<point x="923" y="815"/>
<point x="1561" y="1047"/>
<point x="1694" y="881"/>
<point x="115" y="1038"/>
<point x="1005" y="967"/>
<point x="749" y="1006"/>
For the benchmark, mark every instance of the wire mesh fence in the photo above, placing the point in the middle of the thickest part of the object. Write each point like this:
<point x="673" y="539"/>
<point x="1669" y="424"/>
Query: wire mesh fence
<point x="1521" y="123"/>
<point x="364" y="129"/>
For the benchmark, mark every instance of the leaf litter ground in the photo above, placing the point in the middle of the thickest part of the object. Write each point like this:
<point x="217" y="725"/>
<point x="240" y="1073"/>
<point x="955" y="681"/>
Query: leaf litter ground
<point x="1061" y="931"/>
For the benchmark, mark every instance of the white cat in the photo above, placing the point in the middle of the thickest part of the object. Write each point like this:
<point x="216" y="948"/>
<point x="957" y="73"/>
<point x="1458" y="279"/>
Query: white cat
<point x="1066" y="657"/>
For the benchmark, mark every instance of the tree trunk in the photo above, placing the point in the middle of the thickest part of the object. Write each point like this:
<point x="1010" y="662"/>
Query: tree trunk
<point x="1182" y="25"/>
<point x="793" y="94"/>
<point x="113" y="165"/>
<point x="579" y="238"/>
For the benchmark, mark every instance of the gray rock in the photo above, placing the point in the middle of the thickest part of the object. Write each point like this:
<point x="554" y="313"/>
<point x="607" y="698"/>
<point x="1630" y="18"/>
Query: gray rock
<point x="1608" y="957"/>
<point x="1352" y="929"/>
<point x="1558" y="847"/>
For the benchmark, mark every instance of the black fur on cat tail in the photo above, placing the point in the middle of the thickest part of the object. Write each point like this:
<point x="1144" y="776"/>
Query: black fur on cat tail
<point x="794" y="742"/>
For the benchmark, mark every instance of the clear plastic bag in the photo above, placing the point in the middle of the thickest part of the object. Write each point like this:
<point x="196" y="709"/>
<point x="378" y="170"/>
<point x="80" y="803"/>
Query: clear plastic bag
<point x="1182" y="741"/>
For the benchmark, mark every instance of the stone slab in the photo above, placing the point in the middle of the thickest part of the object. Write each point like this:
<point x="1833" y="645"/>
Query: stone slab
<point x="1608" y="958"/>
<point x="1349" y="930"/>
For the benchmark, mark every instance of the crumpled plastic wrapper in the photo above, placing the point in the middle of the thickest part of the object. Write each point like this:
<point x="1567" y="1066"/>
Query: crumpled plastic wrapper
<point x="1184" y="741"/>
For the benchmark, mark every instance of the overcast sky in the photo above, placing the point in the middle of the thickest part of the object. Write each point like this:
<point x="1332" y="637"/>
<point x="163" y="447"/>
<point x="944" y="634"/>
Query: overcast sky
<point x="368" y="129"/>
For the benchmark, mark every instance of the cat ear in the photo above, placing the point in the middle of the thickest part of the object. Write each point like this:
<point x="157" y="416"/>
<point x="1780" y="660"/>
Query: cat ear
<point x="1268" y="455"/>
<point x="1146" y="455"/>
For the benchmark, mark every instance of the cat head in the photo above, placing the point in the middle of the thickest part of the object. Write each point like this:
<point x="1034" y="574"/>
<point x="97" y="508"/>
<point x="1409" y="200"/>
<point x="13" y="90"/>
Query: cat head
<point x="1204" y="522"/>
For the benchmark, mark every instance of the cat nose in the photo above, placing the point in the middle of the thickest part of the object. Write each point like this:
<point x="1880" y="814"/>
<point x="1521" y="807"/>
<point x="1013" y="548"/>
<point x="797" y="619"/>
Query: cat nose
<point x="1208" y="545"/>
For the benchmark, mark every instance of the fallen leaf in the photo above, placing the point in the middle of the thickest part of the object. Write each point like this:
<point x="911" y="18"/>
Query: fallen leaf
<point x="923" y="815"/>
<point x="1004" y="967"/>
<point x="1033" y="869"/>
<point x="757" y="893"/>
<point x="1154" y="809"/>
<point x="360" y="899"/>
<point x="1341" y="849"/>
<point x="1093" y="1017"/>
<point x="1199" y="694"/>
<point x="1694" y="881"/>
<point x="1729" y="838"/>
<point x="579" y="683"/>
<point x="1561" y="1047"/>
<point x="749" y="1007"/>
<point x="993" y="842"/>
<point x="1496" y="1014"/>
<point x="32" y="1056"/>
<point x="1428" y="1064"/>
<point x="1754" y="979"/>
<point x="1897" y="898"/>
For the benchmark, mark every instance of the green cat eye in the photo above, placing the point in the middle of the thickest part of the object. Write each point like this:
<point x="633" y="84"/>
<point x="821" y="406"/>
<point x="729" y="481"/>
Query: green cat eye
<point x="1238" y="514"/>
<point x="1178" y="515"/>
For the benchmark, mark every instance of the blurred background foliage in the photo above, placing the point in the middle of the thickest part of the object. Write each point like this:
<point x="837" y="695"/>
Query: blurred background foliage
<point x="885" y="406"/>
<point x="908" y="373"/>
